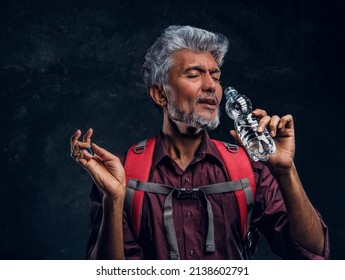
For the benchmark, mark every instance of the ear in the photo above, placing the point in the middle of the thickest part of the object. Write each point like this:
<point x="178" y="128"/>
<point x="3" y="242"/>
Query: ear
<point x="158" y="95"/>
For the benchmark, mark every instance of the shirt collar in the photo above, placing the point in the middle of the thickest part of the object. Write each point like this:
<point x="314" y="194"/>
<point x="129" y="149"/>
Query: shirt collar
<point x="206" y="149"/>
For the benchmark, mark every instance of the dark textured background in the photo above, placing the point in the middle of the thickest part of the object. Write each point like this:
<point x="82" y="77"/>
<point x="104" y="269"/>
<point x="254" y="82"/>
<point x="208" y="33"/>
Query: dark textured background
<point x="76" y="64"/>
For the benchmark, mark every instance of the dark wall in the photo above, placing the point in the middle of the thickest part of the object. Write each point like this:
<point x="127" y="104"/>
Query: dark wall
<point x="76" y="64"/>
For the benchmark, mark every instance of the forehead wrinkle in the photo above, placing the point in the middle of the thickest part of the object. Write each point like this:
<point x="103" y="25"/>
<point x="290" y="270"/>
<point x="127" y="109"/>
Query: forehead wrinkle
<point x="190" y="55"/>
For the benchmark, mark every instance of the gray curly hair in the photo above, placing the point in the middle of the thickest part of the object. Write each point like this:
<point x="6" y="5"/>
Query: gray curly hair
<point x="158" y="59"/>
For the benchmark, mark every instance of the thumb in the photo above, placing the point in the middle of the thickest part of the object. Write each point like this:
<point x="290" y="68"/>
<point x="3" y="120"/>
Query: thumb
<point x="236" y="137"/>
<point x="98" y="150"/>
<point x="101" y="153"/>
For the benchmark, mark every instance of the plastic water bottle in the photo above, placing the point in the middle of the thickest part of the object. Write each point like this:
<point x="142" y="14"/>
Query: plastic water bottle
<point x="238" y="107"/>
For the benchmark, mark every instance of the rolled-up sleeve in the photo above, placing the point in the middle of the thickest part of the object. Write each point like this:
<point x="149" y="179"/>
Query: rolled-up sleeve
<point x="305" y="254"/>
<point x="132" y="249"/>
<point x="270" y="217"/>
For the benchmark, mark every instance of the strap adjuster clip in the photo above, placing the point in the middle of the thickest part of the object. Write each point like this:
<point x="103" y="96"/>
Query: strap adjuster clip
<point x="184" y="193"/>
<point x="232" y="148"/>
<point x="140" y="148"/>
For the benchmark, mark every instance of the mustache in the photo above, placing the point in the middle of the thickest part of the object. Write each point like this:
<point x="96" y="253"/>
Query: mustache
<point x="208" y="99"/>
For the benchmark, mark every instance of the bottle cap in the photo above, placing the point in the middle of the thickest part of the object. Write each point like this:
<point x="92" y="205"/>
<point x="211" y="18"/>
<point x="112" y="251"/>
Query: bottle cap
<point x="230" y="93"/>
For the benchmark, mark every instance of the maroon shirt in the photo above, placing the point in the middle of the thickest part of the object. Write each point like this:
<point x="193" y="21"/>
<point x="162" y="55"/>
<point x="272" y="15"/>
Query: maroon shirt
<point x="190" y="217"/>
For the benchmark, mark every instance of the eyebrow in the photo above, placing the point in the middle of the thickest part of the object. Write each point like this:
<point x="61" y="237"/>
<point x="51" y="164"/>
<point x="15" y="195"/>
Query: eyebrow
<point x="200" y="69"/>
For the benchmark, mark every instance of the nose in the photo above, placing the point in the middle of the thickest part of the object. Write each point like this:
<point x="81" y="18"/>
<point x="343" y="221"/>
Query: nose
<point x="209" y="84"/>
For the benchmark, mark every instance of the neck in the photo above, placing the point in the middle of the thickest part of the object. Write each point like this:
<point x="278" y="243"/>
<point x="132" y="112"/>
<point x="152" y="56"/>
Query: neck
<point x="181" y="146"/>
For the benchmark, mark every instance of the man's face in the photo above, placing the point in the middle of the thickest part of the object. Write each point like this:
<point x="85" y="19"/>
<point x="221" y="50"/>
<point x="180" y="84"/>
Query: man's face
<point x="194" y="91"/>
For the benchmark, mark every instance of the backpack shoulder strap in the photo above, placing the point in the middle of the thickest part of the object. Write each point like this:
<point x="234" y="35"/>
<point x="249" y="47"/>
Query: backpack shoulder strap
<point x="139" y="161"/>
<point x="238" y="167"/>
<point x="137" y="166"/>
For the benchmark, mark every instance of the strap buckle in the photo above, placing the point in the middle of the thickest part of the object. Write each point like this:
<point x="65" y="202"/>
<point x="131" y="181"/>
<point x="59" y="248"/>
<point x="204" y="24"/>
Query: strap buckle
<point x="184" y="193"/>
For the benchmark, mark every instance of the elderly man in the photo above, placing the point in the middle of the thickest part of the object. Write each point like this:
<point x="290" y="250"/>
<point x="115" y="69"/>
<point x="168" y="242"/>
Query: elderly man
<point x="182" y="74"/>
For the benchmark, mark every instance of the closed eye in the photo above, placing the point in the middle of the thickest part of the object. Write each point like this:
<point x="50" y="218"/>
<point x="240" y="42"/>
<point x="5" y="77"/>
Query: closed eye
<point x="193" y="76"/>
<point x="216" y="78"/>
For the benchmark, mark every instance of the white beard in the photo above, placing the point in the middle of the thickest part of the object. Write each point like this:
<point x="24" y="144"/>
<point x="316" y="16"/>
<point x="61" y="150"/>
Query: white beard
<point x="191" y="122"/>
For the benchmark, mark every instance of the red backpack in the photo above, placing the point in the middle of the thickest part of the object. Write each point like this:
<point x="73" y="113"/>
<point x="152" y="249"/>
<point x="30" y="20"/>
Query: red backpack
<point x="137" y="167"/>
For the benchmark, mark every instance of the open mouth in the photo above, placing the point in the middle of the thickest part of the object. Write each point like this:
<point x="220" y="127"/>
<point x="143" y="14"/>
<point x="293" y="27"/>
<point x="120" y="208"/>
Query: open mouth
<point x="208" y="102"/>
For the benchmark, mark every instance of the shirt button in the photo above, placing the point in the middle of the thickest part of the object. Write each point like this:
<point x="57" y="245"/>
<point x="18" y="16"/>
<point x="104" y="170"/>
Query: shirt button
<point x="189" y="214"/>
<point x="187" y="179"/>
<point x="191" y="252"/>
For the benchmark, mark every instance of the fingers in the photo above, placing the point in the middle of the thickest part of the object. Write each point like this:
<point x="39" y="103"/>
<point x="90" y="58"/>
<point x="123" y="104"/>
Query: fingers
<point x="74" y="139"/>
<point x="274" y="123"/>
<point x="264" y="122"/>
<point x="264" y="119"/>
<point x="83" y="157"/>
<point x="259" y="113"/>
<point x="87" y="136"/>
<point x="77" y="147"/>
<point x="286" y="121"/>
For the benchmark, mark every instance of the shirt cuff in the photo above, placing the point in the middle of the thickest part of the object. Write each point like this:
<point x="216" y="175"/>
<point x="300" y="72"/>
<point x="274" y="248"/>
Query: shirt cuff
<point x="306" y="254"/>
